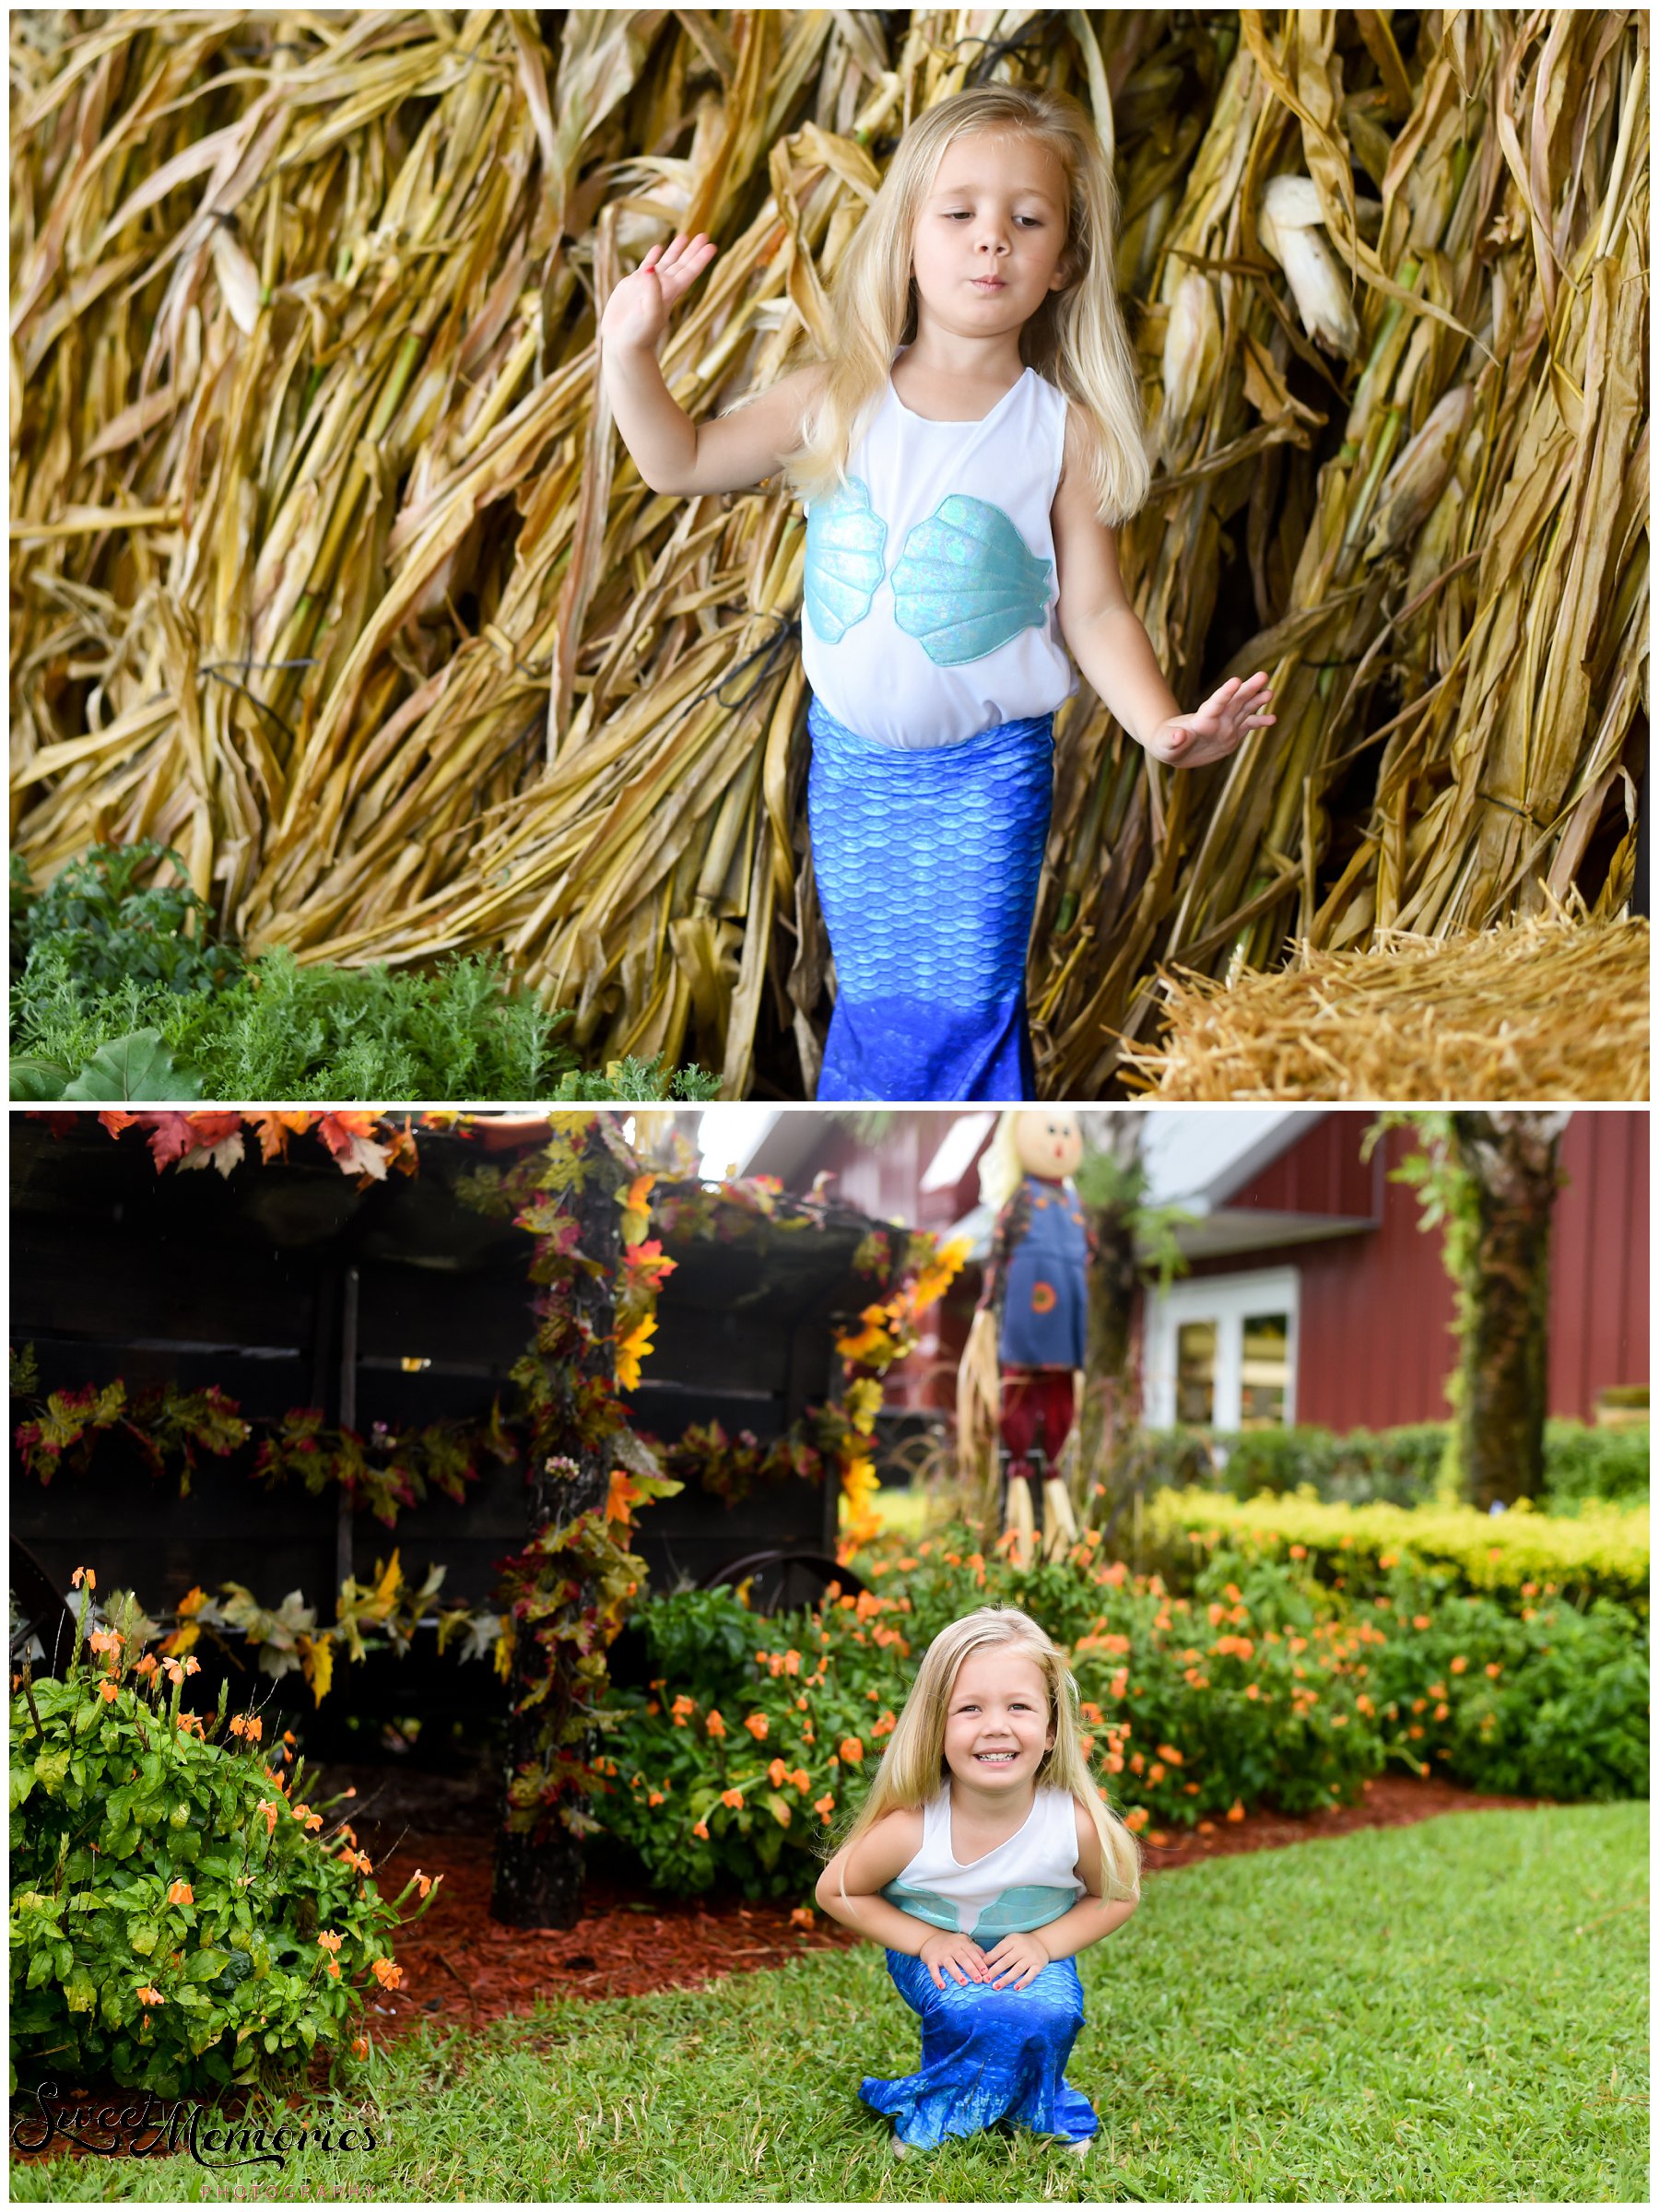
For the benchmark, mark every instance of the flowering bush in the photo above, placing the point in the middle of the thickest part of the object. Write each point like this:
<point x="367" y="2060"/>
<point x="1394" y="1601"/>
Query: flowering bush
<point x="1258" y="1686"/>
<point x="180" y="1919"/>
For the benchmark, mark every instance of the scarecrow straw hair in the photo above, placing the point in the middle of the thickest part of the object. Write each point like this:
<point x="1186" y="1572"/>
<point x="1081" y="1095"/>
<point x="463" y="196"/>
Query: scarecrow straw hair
<point x="328" y="568"/>
<point x="1549" y="1007"/>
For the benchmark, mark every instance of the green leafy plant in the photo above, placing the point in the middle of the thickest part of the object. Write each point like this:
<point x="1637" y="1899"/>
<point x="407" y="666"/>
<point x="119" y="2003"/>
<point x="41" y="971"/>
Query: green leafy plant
<point x="109" y="924"/>
<point x="181" y="1918"/>
<point x="122" y="992"/>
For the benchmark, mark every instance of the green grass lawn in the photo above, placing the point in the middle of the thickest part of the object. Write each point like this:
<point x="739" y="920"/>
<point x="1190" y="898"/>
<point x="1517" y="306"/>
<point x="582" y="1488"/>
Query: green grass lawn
<point x="1454" y="2012"/>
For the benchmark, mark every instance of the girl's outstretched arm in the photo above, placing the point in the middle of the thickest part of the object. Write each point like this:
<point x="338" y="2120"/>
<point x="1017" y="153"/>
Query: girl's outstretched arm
<point x="672" y="452"/>
<point x="1109" y="641"/>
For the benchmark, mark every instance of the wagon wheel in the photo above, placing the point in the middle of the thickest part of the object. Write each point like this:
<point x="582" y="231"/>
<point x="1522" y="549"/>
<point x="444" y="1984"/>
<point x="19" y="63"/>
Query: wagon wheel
<point x="783" y="1581"/>
<point x="41" y="1610"/>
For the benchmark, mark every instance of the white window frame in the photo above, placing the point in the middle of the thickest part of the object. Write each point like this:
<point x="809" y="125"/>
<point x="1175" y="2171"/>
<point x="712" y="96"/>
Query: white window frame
<point x="1228" y="1300"/>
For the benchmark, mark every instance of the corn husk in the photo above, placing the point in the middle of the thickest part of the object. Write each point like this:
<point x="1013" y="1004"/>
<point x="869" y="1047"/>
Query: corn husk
<point x="1549" y="1007"/>
<point x="328" y="567"/>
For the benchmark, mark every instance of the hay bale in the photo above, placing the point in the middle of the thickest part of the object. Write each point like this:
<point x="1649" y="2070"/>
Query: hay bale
<point x="1551" y="1007"/>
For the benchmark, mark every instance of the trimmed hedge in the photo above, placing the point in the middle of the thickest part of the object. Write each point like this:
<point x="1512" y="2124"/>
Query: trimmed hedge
<point x="1602" y="1552"/>
<point x="1393" y="1466"/>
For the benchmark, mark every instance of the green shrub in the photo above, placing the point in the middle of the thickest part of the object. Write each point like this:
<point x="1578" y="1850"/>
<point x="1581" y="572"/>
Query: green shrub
<point x="180" y="1920"/>
<point x="1552" y="1702"/>
<point x="1582" y="1463"/>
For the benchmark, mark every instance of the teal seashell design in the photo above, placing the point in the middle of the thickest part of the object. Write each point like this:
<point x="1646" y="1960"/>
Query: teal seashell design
<point x="1018" y="1910"/>
<point x="845" y="539"/>
<point x="967" y="582"/>
<point x="925" y="1904"/>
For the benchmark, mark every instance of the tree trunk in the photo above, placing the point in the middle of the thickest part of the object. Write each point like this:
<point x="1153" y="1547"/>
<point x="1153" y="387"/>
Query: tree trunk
<point x="1511" y="1160"/>
<point x="538" y="1873"/>
<point x="1109" y="1385"/>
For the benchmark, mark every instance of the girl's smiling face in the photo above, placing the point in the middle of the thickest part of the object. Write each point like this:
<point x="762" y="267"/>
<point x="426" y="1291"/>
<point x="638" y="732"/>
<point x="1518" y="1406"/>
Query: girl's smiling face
<point x="996" y="1725"/>
<point x="990" y="240"/>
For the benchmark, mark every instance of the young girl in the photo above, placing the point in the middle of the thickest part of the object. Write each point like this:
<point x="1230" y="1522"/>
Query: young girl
<point x="967" y="456"/>
<point x="985" y="1859"/>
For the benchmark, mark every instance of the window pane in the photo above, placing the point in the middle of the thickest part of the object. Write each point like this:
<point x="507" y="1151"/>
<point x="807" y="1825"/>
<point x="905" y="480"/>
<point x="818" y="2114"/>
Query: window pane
<point x="1196" y="1374"/>
<point x="1264" y="1376"/>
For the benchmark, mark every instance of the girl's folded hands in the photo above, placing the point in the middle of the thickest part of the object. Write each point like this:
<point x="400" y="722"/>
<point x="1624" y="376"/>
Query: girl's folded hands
<point x="959" y="1955"/>
<point x="1018" y="1958"/>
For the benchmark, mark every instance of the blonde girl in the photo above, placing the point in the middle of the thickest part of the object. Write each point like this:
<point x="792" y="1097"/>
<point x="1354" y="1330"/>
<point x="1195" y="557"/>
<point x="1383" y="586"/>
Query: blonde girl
<point x="967" y="454"/>
<point x="985" y="1859"/>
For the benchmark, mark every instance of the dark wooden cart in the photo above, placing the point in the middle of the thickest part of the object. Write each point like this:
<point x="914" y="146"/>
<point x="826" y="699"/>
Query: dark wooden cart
<point x="288" y="1285"/>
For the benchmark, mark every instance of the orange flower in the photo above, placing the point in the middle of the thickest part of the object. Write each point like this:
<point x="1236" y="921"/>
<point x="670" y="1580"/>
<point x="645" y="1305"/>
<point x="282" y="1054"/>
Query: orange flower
<point x="777" y="1773"/>
<point x="106" y="1691"/>
<point x="1176" y="1758"/>
<point x="269" y="1810"/>
<point x="1235" y="1811"/>
<point x="181" y="1894"/>
<point x="757" y="1725"/>
<point x="1493" y="1669"/>
<point x="148" y="1996"/>
<point x="683" y="1707"/>
<point x="1459" y="1666"/>
<point x="653" y="1797"/>
<point x="885" y="1725"/>
<point x="388" y="1975"/>
<point x="824" y="1805"/>
<point x="732" y="1798"/>
<point x="800" y="1779"/>
<point x="801" y="1917"/>
<point x="359" y="2046"/>
<point x="328" y="1941"/>
<point x="715" y="1725"/>
<point x="1136" y="1817"/>
<point x="852" y="1750"/>
<point x="1419" y="1620"/>
<point x="1154" y="1772"/>
<point x="1299" y="1551"/>
<point x="423" y="1882"/>
<point x="701" y="1829"/>
<point x="148" y="1665"/>
<point x="92" y="1578"/>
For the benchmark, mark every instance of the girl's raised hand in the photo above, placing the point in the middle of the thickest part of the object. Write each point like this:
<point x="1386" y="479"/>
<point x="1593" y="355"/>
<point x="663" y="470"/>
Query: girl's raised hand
<point x="1219" y="724"/>
<point x="959" y="1953"/>
<point x="637" y="311"/>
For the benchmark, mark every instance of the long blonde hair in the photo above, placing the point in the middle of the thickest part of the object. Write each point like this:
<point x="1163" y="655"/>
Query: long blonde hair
<point x="1076" y="338"/>
<point x="913" y="1764"/>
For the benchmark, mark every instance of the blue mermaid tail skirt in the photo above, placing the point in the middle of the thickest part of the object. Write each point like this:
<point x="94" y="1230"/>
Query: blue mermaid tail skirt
<point x="927" y="865"/>
<point x="987" y="2054"/>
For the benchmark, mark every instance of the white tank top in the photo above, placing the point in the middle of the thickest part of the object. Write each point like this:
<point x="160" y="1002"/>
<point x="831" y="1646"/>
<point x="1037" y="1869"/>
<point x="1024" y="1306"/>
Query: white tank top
<point x="1023" y="1884"/>
<point x="931" y="583"/>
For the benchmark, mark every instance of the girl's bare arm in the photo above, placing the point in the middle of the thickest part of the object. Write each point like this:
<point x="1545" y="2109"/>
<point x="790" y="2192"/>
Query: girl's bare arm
<point x="731" y="453"/>
<point x="672" y="454"/>
<point x="1088" y="1919"/>
<point x="868" y="1866"/>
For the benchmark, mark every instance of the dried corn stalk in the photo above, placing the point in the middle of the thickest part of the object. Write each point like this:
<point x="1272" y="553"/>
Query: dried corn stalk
<point x="328" y="567"/>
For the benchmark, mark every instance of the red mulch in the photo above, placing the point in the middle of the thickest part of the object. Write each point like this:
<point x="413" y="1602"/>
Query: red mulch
<point x="461" y="1968"/>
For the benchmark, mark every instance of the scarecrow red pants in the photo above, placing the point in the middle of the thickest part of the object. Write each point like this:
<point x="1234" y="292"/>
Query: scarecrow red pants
<point x="1038" y="1406"/>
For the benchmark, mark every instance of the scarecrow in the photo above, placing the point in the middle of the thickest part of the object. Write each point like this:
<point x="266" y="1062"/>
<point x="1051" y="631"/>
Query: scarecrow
<point x="1022" y="1371"/>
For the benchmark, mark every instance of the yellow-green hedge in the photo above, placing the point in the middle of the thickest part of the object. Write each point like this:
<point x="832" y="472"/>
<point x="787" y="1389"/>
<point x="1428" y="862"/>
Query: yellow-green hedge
<point x="1603" y="1551"/>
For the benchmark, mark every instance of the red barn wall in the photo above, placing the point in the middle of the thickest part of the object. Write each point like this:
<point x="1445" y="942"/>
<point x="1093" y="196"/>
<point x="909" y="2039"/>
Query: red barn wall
<point x="1376" y="1307"/>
